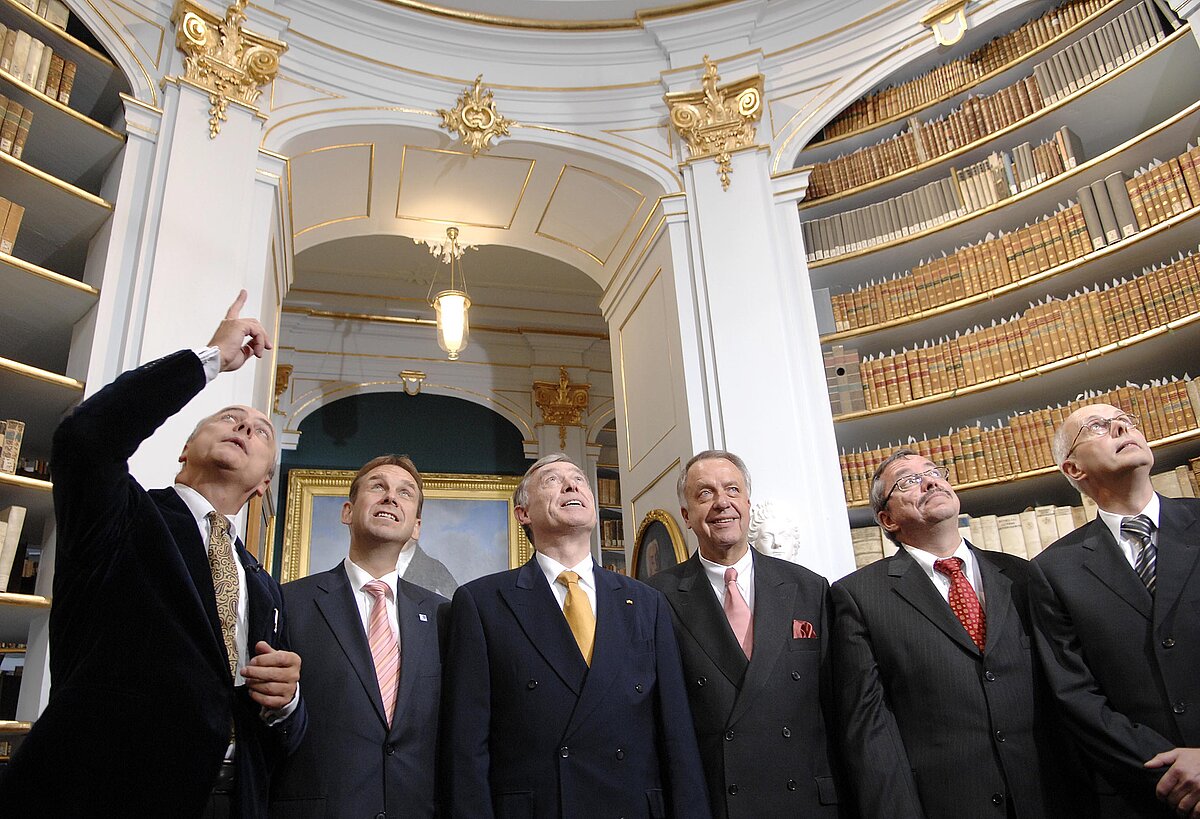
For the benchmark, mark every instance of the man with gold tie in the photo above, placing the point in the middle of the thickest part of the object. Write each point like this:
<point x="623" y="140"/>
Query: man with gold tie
<point x="563" y="693"/>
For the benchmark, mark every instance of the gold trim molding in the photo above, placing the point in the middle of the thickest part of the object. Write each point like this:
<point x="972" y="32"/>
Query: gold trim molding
<point x="475" y="118"/>
<point x="562" y="404"/>
<point x="231" y="63"/>
<point x="718" y="119"/>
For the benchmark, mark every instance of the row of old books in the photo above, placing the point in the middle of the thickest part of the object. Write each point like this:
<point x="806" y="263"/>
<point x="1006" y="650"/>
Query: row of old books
<point x="15" y="122"/>
<point x="12" y="521"/>
<point x="12" y="431"/>
<point x="11" y="215"/>
<point x="54" y="12"/>
<point x="612" y="535"/>
<point x="32" y="62"/>
<point x="1051" y="330"/>
<point x="608" y="491"/>
<point x="1101" y="51"/>
<point x="1022" y="443"/>
<point x="963" y="72"/>
<point x="1108" y="211"/>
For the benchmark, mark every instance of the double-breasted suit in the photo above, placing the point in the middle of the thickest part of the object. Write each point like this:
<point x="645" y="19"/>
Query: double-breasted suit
<point x="529" y="730"/>
<point x="351" y="763"/>
<point x="932" y="726"/>
<point x="1124" y="666"/>
<point x="141" y="701"/>
<point x="761" y="723"/>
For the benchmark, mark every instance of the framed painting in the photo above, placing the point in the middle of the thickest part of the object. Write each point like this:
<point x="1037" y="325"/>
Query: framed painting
<point x="467" y="523"/>
<point x="659" y="544"/>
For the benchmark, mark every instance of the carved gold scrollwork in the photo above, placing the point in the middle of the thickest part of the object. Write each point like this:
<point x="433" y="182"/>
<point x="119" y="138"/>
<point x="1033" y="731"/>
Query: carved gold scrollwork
<point x="283" y="374"/>
<point x="223" y="58"/>
<point x="718" y="119"/>
<point x="475" y="118"/>
<point x="562" y="404"/>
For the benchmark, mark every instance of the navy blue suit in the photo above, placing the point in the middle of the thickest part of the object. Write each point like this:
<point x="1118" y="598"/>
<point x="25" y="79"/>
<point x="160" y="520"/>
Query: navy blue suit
<point x="141" y="704"/>
<point x="351" y="763"/>
<point x="528" y="730"/>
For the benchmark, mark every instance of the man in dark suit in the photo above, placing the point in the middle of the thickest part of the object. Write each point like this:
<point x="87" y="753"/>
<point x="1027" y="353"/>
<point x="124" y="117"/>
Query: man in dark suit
<point x="563" y="693"/>
<point x="372" y="668"/>
<point x="759" y="698"/>
<point x="1116" y="605"/>
<point x="172" y="694"/>
<point x="942" y="710"/>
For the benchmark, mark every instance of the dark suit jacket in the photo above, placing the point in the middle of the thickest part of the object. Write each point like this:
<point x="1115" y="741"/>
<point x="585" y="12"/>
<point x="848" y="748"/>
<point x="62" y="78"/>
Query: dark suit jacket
<point x="430" y="573"/>
<point x="1125" y="667"/>
<point x="761" y="723"/>
<point x="528" y="730"/>
<point x="933" y="727"/>
<point x="141" y="702"/>
<point x="350" y="764"/>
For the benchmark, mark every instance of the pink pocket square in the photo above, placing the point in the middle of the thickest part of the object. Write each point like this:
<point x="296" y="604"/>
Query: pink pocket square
<point x="802" y="629"/>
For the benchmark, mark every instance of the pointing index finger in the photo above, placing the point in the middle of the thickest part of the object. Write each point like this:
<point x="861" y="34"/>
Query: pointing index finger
<point x="236" y="308"/>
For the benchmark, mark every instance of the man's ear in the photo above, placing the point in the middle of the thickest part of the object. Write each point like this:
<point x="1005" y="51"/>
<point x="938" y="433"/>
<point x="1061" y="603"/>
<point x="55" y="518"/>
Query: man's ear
<point x="183" y="454"/>
<point x="1073" y="470"/>
<point x="416" y="535"/>
<point x="521" y="515"/>
<point x="686" y="523"/>
<point x="346" y="507"/>
<point x="884" y="519"/>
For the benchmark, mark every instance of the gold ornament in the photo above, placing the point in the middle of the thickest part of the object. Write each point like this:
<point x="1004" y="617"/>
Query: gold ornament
<point x="561" y="404"/>
<point x="718" y="119"/>
<point x="475" y="118"/>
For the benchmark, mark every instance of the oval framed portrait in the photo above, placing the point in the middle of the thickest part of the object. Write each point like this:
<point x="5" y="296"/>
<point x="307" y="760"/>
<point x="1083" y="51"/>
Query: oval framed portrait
<point x="658" y="545"/>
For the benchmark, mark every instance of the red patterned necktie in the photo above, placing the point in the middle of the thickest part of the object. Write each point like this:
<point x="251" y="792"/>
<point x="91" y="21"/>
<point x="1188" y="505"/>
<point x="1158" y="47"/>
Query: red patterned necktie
<point x="384" y="649"/>
<point x="738" y="612"/>
<point x="963" y="601"/>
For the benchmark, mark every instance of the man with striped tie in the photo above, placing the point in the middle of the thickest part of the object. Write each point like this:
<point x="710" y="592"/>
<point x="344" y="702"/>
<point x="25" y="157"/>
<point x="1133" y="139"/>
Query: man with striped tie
<point x="370" y="643"/>
<point x="1116" y="608"/>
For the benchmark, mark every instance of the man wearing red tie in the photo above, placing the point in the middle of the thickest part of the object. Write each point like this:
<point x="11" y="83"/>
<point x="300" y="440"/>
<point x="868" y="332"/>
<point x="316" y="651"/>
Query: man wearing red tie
<point x="942" y="712"/>
<point x="753" y="632"/>
<point x="1116" y="606"/>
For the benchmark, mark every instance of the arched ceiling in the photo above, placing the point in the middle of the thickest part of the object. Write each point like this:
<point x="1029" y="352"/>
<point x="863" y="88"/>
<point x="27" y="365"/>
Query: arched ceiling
<point x="592" y="15"/>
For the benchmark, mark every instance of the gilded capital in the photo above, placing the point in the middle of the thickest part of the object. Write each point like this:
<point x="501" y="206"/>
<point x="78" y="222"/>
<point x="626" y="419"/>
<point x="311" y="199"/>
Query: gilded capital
<point x="718" y="119"/>
<point x="475" y="119"/>
<point x="562" y="404"/>
<point x="283" y="375"/>
<point x="224" y="59"/>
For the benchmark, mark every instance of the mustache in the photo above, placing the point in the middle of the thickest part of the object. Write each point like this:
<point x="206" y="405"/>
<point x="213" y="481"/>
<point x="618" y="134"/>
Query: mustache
<point x="935" y="491"/>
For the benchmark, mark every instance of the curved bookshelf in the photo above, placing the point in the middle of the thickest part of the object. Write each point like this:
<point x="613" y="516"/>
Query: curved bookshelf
<point x="1170" y="345"/>
<point x="1127" y="81"/>
<point x="38" y="325"/>
<point x="990" y="82"/>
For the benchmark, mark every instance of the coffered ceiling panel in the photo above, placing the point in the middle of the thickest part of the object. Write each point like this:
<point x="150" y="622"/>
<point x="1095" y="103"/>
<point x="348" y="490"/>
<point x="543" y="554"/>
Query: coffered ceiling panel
<point x="456" y="188"/>
<point x="589" y="212"/>
<point x="330" y="185"/>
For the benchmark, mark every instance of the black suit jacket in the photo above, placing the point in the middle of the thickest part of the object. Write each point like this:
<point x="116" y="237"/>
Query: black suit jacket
<point x="350" y="763"/>
<point x="761" y="724"/>
<point x="1125" y="667"/>
<point x="528" y="730"/>
<point x="141" y="701"/>
<point x="933" y="727"/>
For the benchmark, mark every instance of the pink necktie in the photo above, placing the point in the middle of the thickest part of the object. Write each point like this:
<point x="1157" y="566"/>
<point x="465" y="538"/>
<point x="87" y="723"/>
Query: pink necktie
<point x="738" y="612"/>
<point x="384" y="650"/>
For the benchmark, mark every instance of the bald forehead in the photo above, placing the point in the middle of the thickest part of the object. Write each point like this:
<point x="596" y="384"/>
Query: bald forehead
<point x="908" y="465"/>
<point x="1092" y="411"/>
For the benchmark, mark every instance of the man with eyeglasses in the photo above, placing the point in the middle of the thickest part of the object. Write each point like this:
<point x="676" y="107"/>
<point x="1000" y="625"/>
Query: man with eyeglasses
<point x="1116" y="607"/>
<point x="942" y="711"/>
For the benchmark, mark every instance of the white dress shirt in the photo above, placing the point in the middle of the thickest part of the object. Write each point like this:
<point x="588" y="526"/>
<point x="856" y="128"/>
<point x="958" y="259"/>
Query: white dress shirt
<point x="1129" y="546"/>
<point x="551" y="568"/>
<point x="359" y="577"/>
<point x="745" y="577"/>
<point x="942" y="582"/>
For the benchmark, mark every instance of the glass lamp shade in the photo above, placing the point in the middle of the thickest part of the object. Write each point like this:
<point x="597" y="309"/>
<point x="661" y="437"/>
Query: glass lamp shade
<point x="453" y="329"/>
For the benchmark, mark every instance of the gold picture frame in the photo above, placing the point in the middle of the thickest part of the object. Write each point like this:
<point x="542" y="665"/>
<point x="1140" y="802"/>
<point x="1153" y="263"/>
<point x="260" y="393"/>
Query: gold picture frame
<point x="322" y="491"/>
<point x="654" y="526"/>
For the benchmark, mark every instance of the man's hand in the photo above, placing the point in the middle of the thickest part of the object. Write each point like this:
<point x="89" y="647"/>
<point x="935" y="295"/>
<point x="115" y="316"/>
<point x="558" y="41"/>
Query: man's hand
<point x="1179" y="787"/>
<point x="239" y="338"/>
<point x="272" y="676"/>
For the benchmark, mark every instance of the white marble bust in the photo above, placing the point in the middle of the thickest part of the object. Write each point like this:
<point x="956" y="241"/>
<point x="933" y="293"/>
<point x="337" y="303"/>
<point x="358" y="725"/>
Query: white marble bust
<point x="774" y="532"/>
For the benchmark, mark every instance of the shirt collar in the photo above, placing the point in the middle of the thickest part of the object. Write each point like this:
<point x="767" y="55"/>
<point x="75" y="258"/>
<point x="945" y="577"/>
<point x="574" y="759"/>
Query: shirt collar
<point x="1113" y="520"/>
<point x="360" y="577"/>
<point x="199" y="506"/>
<point x="551" y="568"/>
<point x="927" y="559"/>
<point x="716" y="571"/>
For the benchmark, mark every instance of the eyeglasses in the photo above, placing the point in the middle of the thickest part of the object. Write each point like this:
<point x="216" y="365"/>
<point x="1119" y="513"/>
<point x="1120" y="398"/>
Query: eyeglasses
<point x="909" y="481"/>
<point x="1101" y="426"/>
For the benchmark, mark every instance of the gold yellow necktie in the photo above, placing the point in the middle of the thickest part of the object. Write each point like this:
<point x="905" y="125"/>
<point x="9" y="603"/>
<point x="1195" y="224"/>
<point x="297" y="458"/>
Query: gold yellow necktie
<point x="578" y="612"/>
<point x="225" y="583"/>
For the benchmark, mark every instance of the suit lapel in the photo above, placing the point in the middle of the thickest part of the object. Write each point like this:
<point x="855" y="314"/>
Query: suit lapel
<point x="1177" y="555"/>
<point x="1104" y="559"/>
<point x="415" y="635"/>
<point x="698" y="611"/>
<point x="613" y="638"/>
<point x="774" y="602"/>
<point x="337" y="605"/>
<point x="997" y="597"/>
<point x="261" y="611"/>
<point x="912" y="584"/>
<point x="538" y="614"/>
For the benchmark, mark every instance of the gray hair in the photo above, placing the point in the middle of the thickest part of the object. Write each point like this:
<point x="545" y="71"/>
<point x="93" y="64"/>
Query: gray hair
<point x="521" y="493"/>
<point x="709" y="455"/>
<point x="878" y="491"/>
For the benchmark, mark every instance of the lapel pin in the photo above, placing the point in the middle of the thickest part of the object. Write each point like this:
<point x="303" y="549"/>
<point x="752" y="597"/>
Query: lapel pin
<point x="628" y="602"/>
<point x="424" y="618"/>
